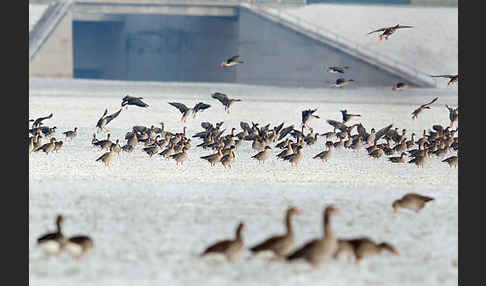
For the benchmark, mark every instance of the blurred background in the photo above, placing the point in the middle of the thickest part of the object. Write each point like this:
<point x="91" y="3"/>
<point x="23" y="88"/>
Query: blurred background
<point x="282" y="42"/>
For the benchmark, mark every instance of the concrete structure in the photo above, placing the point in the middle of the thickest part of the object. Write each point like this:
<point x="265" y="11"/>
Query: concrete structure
<point x="159" y="40"/>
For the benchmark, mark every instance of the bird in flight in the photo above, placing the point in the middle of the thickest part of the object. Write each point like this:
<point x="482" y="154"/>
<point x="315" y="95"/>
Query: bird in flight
<point x="187" y="110"/>
<point x="231" y="62"/>
<point x="387" y="31"/>
<point x="452" y="78"/>
<point x="225" y="100"/>
<point x="422" y="107"/>
<point x="130" y="100"/>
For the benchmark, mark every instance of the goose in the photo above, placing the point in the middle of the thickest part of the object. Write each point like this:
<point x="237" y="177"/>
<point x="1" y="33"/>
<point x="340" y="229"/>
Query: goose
<point x="53" y="242"/>
<point x="231" y="249"/>
<point x="412" y="201"/>
<point x="280" y="245"/>
<point x="319" y="249"/>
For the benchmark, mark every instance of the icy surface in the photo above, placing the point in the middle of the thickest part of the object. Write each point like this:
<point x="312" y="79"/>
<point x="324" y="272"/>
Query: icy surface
<point x="35" y="13"/>
<point x="431" y="46"/>
<point x="150" y="219"/>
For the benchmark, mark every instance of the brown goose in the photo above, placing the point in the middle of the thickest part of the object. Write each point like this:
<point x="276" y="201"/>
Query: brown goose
<point x="400" y="159"/>
<point x="31" y="144"/>
<point x="453" y="115"/>
<point x="214" y="158"/>
<point x="452" y="161"/>
<point x="53" y="242"/>
<point x="294" y="158"/>
<point x="106" y="158"/>
<point x="263" y="155"/>
<point x="226" y="159"/>
<point x="71" y="134"/>
<point x="48" y="147"/>
<point x="362" y="247"/>
<point x="422" y="107"/>
<point x="400" y="85"/>
<point x="452" y="77"/>
<point x="186" y="111"/>
<point x="319" y="249"/>
<point x="79" y="245"/>
<point x="223" y="98"/>
<point x="104" y="120"/>
<point x="387" y="31"/>
<point x="325" y="155"/>
<point x="411" y="201"/>
<point x="231" y="249"/>
<point x="57" y="145"/>
<point x="280" y="245"/>
<point x="180" y="157"/>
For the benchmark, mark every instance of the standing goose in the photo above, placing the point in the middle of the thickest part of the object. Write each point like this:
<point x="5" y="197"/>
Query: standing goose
<point x="48" y="147"/>
<point x="294" y="158"/>
<point x="180" y="157"/>
<point x="263" y="155"/>
<point x="225" y="100"/>
<point x="57" y="145"/>
<point x="231" y="249"/>
<point x="151" y="150"/>
<point x="71" y="134"/>
<point x="214" y="158"/>
<point x="226" y="159"/>
<point x="31" y="144"/>
<point x="452" y="161"/>
<point x="420" y="159"/>
<point x="106" y="158"/>
<point x="130" y="100"/>
<point x="104" y="143"/>
<point x="116" y="147"/>
<point x="362" y="247"/>
<point x="452" y="78"/>
<point x="453" y="115"/>
<point x="387" y="31"/>
<point x="231" y="62"/>
<point x="79" y="245"/>
<point x="422" y="107"/>
<point x="280" y="245"/>
<point x="105" y="119"/>
<point x="317" y="250"/>
<point x="326" y="154"/>
<point x="52" y="243"/>
<point x="400" y="159"/>
<point x="411" y="201"/>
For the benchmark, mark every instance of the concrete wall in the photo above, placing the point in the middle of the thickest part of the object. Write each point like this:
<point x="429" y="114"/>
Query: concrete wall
<point x="156" y="48"/>
<point x="278" y="55"/>
<point x="55" y="57"/>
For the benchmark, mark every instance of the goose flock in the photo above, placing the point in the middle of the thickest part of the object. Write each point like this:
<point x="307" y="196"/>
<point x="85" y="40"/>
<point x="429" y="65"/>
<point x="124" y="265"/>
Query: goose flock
<point x="344" y="134"/>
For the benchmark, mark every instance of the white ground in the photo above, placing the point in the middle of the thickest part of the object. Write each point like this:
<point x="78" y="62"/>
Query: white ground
<point x="35" y="13"/>
<point x="149" y="219"/>
<point x="431" y="46"/>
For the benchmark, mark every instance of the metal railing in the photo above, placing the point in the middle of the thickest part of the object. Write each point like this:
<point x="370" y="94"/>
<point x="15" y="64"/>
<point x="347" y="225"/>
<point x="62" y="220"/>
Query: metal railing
<point x="333" y="39"/>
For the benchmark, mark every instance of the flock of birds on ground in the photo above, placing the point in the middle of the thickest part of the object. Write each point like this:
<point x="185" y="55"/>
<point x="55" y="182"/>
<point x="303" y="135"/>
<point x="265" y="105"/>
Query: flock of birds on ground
<point x="437" y="141"/>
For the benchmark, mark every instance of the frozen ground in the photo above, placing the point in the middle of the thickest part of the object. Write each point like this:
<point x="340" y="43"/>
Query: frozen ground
<point x="150" y="219"/>
<point x="431" y="46"/>
<point x="35" y="13"/>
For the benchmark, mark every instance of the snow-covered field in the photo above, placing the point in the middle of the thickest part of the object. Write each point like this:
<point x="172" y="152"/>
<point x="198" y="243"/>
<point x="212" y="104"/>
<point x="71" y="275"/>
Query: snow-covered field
<point x="150" y="219"/>
<point x="35" y="13"/>
<point x="431" y="46"/>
